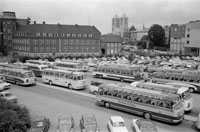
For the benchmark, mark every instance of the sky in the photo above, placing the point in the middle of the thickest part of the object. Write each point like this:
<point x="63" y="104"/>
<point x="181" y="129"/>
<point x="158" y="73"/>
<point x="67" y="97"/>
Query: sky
<point x="100" y="12"/>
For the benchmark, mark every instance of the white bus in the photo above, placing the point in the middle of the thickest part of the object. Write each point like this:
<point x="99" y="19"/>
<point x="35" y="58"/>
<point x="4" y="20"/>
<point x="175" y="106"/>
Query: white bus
<point x="37" y="69"/>
<point x="40" y="62"/>
<point x="72" y="66"/>
<point x="147" y="103"/>
<point x="120" y="72"/>
<point x="82" y="62"/>
<point x="183" y="92"/>
<point x="70" y="79"/>
<point x="13" y="66"/>
<point x="18" y="76"/>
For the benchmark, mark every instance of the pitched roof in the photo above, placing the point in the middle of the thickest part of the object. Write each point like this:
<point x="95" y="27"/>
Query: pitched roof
<point x="111" y="38"/>
<point x="58" y="28"/>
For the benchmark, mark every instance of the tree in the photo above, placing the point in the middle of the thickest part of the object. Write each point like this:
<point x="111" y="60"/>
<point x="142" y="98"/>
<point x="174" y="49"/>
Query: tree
<point x="14" y="118"/>
<point x="157" y="35"/>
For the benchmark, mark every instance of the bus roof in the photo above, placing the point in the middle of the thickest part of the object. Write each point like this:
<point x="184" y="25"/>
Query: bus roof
<point x="31" y="64"/>
<point x="66" y="62"/>
<point x="16" y="70"/>
<point x="61" y="70"/>
<point x="138" y="91"/>
<point x="13" y="65"/>
<point x="116" y="66"/>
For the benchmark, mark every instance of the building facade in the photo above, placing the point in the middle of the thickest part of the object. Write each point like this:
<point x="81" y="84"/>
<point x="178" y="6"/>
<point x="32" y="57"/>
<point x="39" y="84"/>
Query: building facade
<point x="119" y="25"/>
<point x="56" y="39"/>
<point x="7" y="28"/>
<point x="111" y="44"/>
<point x="177" y="38"/>
<point x="192" y="37"/>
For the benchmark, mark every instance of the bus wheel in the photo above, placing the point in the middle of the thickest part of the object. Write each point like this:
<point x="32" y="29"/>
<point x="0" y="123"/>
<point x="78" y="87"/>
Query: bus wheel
<point x="50" y="82"/>
<point x="70" y="86"/>
<point x="191" y="90"/>
<point x="147" y="115"/>
<point x="107" y="105"/>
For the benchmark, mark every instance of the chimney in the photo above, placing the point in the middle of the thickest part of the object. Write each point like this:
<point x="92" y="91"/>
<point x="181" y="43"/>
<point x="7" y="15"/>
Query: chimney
<point x="43" y="22"/>
<point x="34" y="22"/>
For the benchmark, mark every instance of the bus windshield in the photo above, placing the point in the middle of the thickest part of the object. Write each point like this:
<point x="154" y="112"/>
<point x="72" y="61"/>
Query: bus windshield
<point x="28" y="74"/>
<point x="185" y="94"/>
<point x="79" y="77"/>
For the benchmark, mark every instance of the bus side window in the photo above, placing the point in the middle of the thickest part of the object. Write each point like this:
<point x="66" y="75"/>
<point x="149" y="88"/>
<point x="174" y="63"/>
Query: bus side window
<point x="166" y="104"/>
<point x="160" y="103"/>
<point x="148" y="101"/>
<point x="57" y="74"/>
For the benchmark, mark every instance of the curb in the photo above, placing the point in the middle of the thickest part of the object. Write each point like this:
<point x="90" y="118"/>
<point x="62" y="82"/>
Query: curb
<point x="67" y="90"/>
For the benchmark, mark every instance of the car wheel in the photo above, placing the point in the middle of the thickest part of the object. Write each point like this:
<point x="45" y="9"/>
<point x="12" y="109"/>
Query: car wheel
<point x="107" y="105"/>
<point x="147" y="115"/>
<point x="191" y="90"/>
<point x="50" y="82"/>
<point x="70" y="86"/>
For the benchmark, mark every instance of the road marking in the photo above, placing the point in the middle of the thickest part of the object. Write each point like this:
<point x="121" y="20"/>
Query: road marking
<point x="67" y="90"/>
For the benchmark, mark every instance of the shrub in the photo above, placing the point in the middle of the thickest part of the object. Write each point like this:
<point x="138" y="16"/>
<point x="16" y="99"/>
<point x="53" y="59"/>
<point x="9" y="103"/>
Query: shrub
<point x="14" y="118"/>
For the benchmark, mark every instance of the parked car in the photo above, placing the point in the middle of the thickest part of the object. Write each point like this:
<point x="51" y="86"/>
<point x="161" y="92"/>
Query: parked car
<point x="8" y="96"/>
<point x="4" y="85"/>
<point x="88" y="123"/>
<point x="117" y="124"/>
<point x="143" y="125"/>
<point x="94" y="86"/>
<point x="65" y="123"/>
<point x="40" y="124"/>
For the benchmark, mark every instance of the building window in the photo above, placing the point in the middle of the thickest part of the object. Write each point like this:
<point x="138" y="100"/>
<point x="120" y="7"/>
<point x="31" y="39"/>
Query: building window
<point x="47" y="49"/>
<point x="188" y="29"/>
<point x="53" y="49"/>
<point x="41" y="49"/>
<point x="77" y="42"/>
<point x="62" y="35"/>
<point x="9" y="31"/>
<point x="65" y="41"/>
<point x="90" y="35"/>
<point x="35" y="49"/>
<point x="37" y="34"/>
<point x="73" y="35"/>
<point x="188" y="42"/>
<point x="79" y="35"/>
<point x="53" y="41"/>
<point x="65" y="49"/>
<point x="50" y="35"/>
<point x="84" y="35"/>
<point x="68" y="35"/>
<point x="188" y="35"/>
<point x="41" y="41"/>
<point x="44" y="34"/>
<point x="175" y="29"/>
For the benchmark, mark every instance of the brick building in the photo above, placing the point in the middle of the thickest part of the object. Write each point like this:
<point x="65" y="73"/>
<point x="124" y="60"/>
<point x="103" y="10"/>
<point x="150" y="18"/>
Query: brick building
<point x="56" y="39"/>
<point x="111" y="44"/>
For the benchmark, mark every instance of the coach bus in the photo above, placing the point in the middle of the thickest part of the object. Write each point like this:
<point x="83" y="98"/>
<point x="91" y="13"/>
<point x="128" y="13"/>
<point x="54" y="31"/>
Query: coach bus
<point x="13" y="66"/>
<point x="147" y="103"/>
<point x="183" y="92"/>
<point x="70" y="79"/>
<point x="120" y="72"/>
<point x="152" y="69"/>
<point x="72" y="66"/>
<point x="40" y="62"/>
<point x="37" y="69"/>
<point x="187" y="77"/>
<point x="18" y="76"/>
<point x="84" y="63"/>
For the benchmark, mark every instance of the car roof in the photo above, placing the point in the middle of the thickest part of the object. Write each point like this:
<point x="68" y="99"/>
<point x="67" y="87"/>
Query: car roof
<point x="88" y="115"/>
<point x="117" y="119"/>
<point x="39" y="118"/>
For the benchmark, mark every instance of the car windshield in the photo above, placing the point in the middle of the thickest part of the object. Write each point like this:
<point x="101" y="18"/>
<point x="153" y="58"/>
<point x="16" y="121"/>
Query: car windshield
<point x="89" y="121"/>
<point x="65" y="122"/>
<point x="119" y="124"/>
<point x="8" y="94"/>
<point x="38" y="124"/>
<point x="148" y="128"/>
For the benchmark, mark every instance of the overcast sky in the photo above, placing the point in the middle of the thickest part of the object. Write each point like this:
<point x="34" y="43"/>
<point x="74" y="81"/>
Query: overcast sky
<point x="100" y="12"/>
